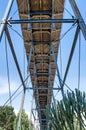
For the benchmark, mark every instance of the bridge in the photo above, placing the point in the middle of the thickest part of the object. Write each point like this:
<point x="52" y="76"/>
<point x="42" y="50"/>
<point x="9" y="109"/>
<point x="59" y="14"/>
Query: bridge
<point x="41" y="22"/>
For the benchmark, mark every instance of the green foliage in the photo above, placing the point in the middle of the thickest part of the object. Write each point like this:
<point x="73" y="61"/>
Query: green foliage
<point x="9" y="121"/>
<point x="7" y="117"/>
<point x="31" y="126"/>
<point x="69" y="113"/>
<point x="25" y="123"/>
<point x="0" y="128"/>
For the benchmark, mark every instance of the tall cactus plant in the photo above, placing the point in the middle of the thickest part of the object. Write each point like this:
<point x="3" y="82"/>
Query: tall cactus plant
<point x="69" y="113"/>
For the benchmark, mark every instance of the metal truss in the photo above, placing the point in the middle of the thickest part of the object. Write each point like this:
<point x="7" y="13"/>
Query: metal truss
<point x="42" y="21"/>
<point x="80" y="25"/>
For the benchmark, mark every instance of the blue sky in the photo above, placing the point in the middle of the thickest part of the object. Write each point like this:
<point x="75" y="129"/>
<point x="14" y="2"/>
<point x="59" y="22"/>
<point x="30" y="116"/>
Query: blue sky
<point x="66" y="43"/>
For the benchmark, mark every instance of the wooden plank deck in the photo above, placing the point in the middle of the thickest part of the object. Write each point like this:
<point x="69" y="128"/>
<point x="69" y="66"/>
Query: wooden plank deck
<point x="41" y="34"/>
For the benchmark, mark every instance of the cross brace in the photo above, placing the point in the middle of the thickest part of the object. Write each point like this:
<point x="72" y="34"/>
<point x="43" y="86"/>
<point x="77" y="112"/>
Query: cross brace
<point x="43" y="88"/>
<point x="42" y="21"/>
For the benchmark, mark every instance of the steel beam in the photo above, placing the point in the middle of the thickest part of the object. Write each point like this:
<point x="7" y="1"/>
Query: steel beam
<point x="31" y="111"/>
<point x="42" y="74"/>
<point x="58" y="73"/>
<point x="49" y="80"/>
<point x="6" y="15"/>
<point x="14" y="56"/>
<point x="71" y="54"/>
<point x="79" y="17"/>
<point x="29" y="57"/>
<point x="54" y="55"/>
<point x="42" y="21"/>
<point x="20" y="74"/>
<point x="20" y="113"/>
<point x="37" y="101"/>
<point x="43" y="88"/>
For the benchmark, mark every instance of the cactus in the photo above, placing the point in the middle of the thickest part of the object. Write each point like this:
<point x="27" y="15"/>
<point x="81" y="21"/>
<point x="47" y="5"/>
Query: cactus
<point x="69" y="113"/>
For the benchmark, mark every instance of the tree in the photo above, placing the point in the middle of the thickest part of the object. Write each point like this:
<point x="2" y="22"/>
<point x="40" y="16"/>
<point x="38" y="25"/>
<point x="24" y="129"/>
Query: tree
<point x="69" y="113"/>
<point x="0" y="128"/>
<point x="25" y="123"/>
<point x="7" y="117"/>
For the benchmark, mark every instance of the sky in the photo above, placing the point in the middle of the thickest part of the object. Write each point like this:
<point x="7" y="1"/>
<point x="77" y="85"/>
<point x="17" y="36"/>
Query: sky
<point x="64" y="51"/>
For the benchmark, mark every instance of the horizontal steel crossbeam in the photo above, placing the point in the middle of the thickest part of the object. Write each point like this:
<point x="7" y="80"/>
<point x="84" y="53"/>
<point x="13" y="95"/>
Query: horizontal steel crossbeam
<point x="42" y="21"/>
<point x="43" y="88"/>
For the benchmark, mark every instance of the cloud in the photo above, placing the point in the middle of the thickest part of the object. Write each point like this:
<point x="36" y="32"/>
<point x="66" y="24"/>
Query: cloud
<point x="4" y="88"/>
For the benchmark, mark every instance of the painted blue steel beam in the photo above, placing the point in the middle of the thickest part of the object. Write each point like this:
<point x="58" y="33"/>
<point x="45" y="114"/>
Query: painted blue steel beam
<point x="71" y="54"/>
<point x="14" y="56"/>
<point x="6" y="15"/>
<point x="37" y="98"/>
<point x="42" y="21"/>
<point x="43" y="88"/>
<point x="58" y="73"/>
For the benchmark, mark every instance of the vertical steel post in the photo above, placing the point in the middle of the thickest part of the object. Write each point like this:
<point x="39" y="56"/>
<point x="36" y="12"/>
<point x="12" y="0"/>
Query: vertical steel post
<point x="6" y="15"/>
<point x="28" y="66"/>
<point x="31" y="112"/>
<point x="24" y="91"/>
<point x="20" y="113"/>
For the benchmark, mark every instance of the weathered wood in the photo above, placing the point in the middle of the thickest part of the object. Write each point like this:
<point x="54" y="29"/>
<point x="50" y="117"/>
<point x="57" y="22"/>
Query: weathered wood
<point x="41" y="38"/>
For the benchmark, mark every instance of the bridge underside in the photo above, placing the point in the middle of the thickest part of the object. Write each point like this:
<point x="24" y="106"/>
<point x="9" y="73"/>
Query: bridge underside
<point x="40" y="36"/>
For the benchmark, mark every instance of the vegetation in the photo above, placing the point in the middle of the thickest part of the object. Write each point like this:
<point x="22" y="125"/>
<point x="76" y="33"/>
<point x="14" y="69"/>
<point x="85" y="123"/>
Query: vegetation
<point x="69" y="113"/>
<point x="7" y="117"/>
<point x="25" y="123"/>
<point x="9" y="121"/>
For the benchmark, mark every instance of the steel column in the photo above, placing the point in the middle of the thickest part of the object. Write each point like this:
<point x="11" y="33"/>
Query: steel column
<point x="20" y="113"/>
<point x="79" y="17"/>
<point x="23" y="96"/>
<point x="31" y="112"/>
<point x="6" y="15"/>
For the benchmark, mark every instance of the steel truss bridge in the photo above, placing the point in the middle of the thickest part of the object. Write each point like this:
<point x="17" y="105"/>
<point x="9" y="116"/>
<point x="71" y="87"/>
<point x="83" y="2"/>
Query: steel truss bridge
<point x="41" y="22"/>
